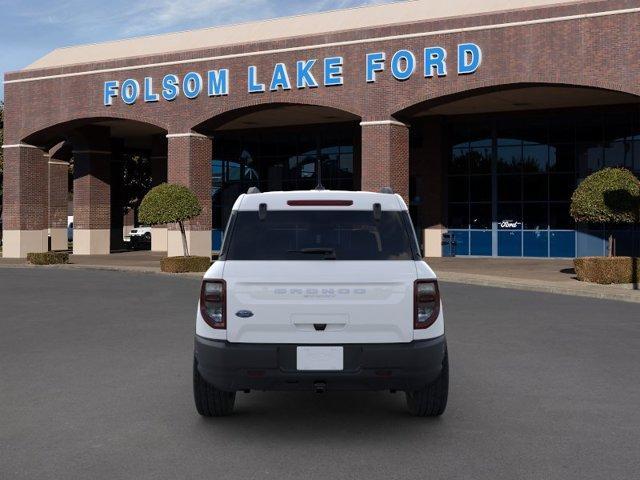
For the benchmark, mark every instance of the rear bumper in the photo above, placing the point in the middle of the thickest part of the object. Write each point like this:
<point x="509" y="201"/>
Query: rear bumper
<point x="393" y="366"/>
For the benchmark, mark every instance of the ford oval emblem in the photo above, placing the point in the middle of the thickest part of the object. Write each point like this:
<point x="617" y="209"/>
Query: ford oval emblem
<point x="244" y="314"/>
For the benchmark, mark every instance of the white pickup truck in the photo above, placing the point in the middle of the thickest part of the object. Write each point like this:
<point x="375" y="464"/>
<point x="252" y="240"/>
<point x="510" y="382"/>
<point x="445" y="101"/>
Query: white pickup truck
<point x="320" y="290"/>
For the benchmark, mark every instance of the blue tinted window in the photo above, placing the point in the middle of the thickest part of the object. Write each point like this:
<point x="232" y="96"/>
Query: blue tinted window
<point x="509" y="244"/>
<point x="535" y="244"/>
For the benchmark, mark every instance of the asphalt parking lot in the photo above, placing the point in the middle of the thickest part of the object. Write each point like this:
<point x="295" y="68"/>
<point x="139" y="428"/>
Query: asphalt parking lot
<point x="95" y="383"/>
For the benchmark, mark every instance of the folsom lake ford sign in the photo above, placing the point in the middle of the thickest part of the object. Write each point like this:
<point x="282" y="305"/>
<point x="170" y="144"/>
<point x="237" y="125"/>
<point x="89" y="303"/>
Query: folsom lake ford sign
<point x="309" y="73"/>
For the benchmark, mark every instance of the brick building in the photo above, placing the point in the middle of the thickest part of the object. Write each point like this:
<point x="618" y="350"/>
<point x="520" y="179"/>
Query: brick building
<point x="482" y="115"/>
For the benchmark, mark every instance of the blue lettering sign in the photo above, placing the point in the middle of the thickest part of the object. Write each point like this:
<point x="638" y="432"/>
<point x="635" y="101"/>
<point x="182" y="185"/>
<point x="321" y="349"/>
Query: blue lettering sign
<point x="130" y="91"/>
<point x="149" y="96"/>
<point x="304" y="76"/>
<point x="254" y="86"/>
<point x="403" y="64"/>
<point x="469" y="58"/>
<point x="435" y="58"/>
<point x="280" y="78"/>
<point x="110" y="92"/>
<point x="218" y="82"/>
<point x="333" y="71"/>
<point x="375" y="63"/>
<point x="170" y="89"/>
<point x="192" y="85"/>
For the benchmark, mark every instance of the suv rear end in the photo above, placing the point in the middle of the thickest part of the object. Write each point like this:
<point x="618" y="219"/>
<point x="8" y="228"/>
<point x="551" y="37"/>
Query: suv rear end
<point x="320" y="290"/>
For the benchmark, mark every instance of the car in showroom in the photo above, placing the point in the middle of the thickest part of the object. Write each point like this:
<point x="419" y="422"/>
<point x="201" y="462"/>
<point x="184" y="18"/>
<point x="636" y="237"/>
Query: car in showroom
<point x="139" y="238"/>
<point x="320" y="291"/>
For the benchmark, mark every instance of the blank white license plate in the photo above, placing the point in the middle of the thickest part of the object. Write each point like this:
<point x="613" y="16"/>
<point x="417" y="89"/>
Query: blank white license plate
<point x="320" y="358"/>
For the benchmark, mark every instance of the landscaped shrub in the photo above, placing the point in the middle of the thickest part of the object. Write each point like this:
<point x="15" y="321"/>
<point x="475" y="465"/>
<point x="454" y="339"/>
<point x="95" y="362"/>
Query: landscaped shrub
<point x="608" y="270"/>
<point x="185" y="264"/>
<point x="611" y="195"/>
<point x="170" y="203"/>
<point x="48" y="258"/>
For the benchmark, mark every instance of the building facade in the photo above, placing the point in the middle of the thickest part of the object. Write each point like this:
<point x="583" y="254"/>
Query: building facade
<point x="484" y="116"/>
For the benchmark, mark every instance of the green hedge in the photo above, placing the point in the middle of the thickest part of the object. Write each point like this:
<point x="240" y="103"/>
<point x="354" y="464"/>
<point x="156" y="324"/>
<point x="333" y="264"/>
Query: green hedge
<point x="607" y="270"/>
<point x="610" y="195"/>
<point x="48" y="258"/>
<point x="185" y="264"/>
<point x="168" y="203"/>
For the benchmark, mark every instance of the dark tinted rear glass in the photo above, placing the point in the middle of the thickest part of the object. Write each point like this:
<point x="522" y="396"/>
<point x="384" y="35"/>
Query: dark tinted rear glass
<point x="319" y="235"/>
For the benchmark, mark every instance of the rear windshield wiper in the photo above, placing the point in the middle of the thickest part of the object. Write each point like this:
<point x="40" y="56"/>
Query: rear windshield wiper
<point x="330" y="253"/>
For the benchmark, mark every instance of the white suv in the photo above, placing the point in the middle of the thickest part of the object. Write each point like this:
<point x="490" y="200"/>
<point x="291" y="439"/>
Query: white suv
<point x="320" y="290"/>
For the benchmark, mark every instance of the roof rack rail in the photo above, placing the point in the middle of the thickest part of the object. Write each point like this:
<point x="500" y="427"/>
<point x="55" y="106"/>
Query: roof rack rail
<point x="386" y="190"/>
<point x="253" y="190"/>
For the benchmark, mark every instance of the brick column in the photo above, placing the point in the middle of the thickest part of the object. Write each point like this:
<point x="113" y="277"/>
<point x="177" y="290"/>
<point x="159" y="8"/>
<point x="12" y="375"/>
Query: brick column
<point x="92" y="192"/>
<point x="25" y="201"/>
<point x="189" y="164"/>
<point x="58" y="197"/>
<point x="158" y="175"/>
<point x="385" y="156"/>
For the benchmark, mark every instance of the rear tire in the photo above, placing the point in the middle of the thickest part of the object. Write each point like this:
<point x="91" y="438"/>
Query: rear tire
<point x="431" y="401"/>
<point x="211" y="402"/>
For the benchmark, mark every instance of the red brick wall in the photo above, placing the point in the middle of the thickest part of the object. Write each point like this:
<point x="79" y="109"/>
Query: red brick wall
<point x="189" y="164"/>
<point x="25" y="189"/>
<point x="385" y="158"/>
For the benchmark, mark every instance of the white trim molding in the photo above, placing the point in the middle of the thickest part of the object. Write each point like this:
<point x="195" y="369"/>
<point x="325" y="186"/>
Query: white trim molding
<point x="189" y="134"/>
<point x="58" y="162"/>
<point x="383" y="122"/>
<point x="476" y="28"/>
<point x="21" y="145"/>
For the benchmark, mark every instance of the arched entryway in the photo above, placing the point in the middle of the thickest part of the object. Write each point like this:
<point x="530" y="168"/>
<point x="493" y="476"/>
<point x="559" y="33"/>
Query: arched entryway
<point x="112" y="162"/>
<point x="496" y="167"/>
<point x="280" y="147"/>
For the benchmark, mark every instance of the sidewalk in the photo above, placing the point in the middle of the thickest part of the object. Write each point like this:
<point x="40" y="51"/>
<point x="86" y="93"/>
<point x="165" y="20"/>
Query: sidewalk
<point x="552" y="276"/>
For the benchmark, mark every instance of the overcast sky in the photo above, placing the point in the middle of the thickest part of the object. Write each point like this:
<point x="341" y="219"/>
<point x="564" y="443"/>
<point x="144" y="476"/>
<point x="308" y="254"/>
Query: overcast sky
<point x="31" y="28"/>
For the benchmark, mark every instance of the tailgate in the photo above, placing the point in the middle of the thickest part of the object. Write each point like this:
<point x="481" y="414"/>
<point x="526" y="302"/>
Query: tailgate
<point x="320" y="302"/>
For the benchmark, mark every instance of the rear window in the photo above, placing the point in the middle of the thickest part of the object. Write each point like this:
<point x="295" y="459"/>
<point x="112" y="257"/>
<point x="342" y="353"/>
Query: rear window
<point x="320" y="235"/>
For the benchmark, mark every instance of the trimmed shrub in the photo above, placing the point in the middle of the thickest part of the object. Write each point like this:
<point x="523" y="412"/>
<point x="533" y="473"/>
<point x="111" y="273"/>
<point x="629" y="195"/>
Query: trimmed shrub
<point x="607" y="270"/>
<point x="611" y="195"/>
<point x="48" y="258"/>
<point x="170" y="203"/>
<point x="185" y="264"/>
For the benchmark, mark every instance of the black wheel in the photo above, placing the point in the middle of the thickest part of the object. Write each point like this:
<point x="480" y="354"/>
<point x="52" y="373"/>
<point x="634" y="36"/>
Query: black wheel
<point x="211" y="402"/>
<point x="432" y="401"/>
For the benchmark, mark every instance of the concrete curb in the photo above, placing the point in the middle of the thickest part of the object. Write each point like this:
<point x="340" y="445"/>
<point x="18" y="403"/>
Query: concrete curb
<point x="579" y="289"/>
<point x="112" y="268"/>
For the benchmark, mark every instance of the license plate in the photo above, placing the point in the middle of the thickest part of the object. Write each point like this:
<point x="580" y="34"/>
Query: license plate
<point x="320" y="358"/>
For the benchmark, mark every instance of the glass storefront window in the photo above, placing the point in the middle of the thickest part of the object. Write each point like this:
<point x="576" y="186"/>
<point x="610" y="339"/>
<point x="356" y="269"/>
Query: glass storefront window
<point x="509" y="188"/>
<point x="458" y="189"/>
<point x="509" y="159"/>
<point x="280" y="159"/>
<point x="480" y="216"/>
<point x="535" y="216"/>
<point x="480" y="188"/>
<point x="535" y="158"/>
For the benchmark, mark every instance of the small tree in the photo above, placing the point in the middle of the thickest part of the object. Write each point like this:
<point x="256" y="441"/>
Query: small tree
<point x="168" y="203"/>
<point x="611" y="195"/>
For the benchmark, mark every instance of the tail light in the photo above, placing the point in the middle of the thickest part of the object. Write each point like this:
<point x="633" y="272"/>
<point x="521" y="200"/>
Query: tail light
<point x="213" y="299"/>
<point x="426" y="303"/>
